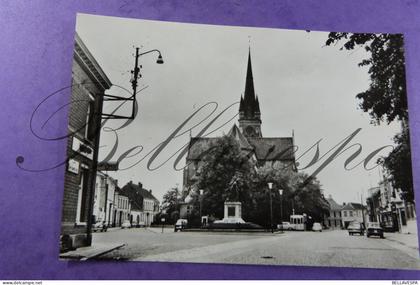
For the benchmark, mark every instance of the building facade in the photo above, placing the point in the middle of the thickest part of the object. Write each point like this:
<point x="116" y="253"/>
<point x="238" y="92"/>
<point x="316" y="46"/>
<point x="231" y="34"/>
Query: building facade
<point x="387" y="206"/>
<point x="103" y="206"/>
<point x="144" y="206"/>
<point x="89" y="83"/>
<point x="333" y="219"/>
<point x="122" y="208"/>
<point x="353" y="212"/>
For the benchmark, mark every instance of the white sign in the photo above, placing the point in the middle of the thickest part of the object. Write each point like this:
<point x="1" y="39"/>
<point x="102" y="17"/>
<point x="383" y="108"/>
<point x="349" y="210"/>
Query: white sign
<point x="79" y="146"/>
<point x="73" y="166"/>
<point x="162" y="219"/>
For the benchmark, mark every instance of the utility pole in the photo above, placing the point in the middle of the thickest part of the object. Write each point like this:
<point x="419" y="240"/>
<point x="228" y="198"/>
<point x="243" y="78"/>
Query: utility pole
<point x="363" y="213"/>
<point x="136" y="71"/>
<point x="271" y="212"/>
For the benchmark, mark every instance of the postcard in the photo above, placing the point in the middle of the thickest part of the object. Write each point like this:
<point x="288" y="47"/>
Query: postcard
<point x="237" y="145"/>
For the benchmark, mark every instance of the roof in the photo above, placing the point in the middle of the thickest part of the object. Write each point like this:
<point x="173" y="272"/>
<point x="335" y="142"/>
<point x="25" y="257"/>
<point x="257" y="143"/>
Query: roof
<point x="198" y="146"/>
<point x="273" y="148"/>
<point x="95" y="72"/>
<point x="334" y="205"/>
<point x="137" y="193"/>
<point x="264" y="148"/>
<point x="239" y="137"/>
<point x="353" y="206"/>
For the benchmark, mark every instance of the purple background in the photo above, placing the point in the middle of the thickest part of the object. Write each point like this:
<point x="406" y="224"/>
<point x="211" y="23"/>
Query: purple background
<point x="35" y="60"/>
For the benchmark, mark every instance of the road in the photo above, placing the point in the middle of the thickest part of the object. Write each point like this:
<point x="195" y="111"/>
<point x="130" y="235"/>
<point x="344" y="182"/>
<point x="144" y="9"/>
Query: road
<point x="328" y="248"/>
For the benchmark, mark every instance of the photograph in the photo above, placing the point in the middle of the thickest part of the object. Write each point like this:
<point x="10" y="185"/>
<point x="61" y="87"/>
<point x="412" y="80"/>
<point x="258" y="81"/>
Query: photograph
<point x="216" y="144"/>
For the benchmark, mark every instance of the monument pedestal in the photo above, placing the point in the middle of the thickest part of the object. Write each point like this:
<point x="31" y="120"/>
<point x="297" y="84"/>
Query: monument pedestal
<point x="233" y="212"/>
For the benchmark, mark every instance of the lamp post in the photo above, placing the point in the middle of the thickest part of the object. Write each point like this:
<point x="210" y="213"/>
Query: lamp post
<point x="201" y="204"/>
<point x="281" y="209"/>
<point x="162" y="219"/>
<point x="270" y="186"/>
<point x="135" y="76"/>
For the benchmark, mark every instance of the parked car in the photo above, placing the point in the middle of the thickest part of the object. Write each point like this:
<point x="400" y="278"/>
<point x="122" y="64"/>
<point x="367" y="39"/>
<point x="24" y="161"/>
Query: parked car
<point x="100" y="226"/>
<point x="374" y="229"/>
<point x="285" y="226"/>
<point x="356" y="228"/>
<point x="317" y="227"/>
<point x="180" y="225"/>
<point x="126" y="224"/>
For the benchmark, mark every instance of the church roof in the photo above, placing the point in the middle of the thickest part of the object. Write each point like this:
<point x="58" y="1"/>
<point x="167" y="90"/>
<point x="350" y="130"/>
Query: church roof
<point x="198" y="146"/>
<point x="272" y="148"/>
<point x="239" y="137"/>
<point x="264" y="148"/>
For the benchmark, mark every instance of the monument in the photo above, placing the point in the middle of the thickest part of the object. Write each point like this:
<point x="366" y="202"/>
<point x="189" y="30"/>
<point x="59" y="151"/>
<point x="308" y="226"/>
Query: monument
<point x="233" y="212"/>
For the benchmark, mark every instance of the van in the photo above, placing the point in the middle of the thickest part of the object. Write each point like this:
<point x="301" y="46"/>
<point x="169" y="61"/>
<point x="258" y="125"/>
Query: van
<point x="180" y="225"/>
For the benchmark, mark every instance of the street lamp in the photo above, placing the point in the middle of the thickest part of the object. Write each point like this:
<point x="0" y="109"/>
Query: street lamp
<point x="281" y="209"/>
<point x="162" y="219"/>
<point x="135" y="73"/>
<point x="270" y="186"/>
<point x="201" y="204"/>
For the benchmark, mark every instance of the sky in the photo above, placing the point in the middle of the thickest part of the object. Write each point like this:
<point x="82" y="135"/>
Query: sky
<point x="303" y="87"/>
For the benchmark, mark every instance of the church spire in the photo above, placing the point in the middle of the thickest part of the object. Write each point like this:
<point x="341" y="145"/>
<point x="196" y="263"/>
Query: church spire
<point x="249" y="107"/>
<point x="249" y="97"/>
<point x="249" y="103"/>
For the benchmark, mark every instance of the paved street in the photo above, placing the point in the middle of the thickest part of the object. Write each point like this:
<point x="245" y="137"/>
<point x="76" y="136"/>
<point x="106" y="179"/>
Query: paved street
<point x="329" y="248"/>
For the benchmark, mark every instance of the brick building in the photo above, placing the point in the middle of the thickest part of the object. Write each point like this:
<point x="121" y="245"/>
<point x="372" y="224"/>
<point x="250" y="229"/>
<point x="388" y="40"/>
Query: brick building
<point x="89" y="83"/>
<point x="104" y="198"/>
<point x="144" y="206"/>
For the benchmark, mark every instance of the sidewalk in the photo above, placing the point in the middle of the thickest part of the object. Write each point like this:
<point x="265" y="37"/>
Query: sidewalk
<point x="408" y="237"/>
<point x="89" y="252"/>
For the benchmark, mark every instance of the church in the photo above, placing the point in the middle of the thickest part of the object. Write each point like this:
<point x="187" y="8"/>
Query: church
<point x="274" y="151"/>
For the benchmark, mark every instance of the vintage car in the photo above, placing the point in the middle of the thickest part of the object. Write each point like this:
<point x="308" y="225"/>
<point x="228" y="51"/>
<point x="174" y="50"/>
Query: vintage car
<point x="99" y="226"/>
<point x="374" y="229"/>
<point x="285" y="226"/>
<point x="356" y="228"/>
<point x="180" y="225"/>
<point x="126" y="224"/>
<point x="317" y="227"/>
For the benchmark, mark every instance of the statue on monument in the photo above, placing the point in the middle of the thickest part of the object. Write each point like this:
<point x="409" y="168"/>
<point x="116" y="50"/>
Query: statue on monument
<point x="233" y="189"/>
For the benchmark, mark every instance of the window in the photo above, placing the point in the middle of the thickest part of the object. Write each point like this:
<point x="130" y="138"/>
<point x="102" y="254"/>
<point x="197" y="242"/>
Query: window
<point x="345" y="213"/>
<point x="81" y="214"/>
<point x="90" y="119"/>
<point x="351" y="213"/>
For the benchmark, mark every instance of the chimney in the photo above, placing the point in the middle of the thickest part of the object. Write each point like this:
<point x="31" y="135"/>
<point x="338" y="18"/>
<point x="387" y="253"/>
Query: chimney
<point x="344" y="203"/>
<point x="150" y="191"/>
<point x="131" y="182"/>
<point x="140" y="185"/>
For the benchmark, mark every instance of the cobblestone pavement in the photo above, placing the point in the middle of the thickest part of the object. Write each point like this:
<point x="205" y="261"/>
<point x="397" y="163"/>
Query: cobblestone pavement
<point x="328" y="248"/>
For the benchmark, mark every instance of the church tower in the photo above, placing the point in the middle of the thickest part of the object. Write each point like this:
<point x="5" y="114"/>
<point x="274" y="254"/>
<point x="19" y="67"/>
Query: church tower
<point x="249" y="107"/>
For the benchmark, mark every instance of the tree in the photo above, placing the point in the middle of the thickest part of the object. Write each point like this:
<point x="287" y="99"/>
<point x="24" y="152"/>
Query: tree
<point x="223" y="177"/>
<point x="301" y="192"/>
<point x="170" y="204"/>
<point x="400" y="156"/>
<point x="386" y="97"/>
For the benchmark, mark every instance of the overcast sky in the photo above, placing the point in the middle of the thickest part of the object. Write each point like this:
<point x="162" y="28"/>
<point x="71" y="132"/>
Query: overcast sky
<point x="302" y="85"/>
